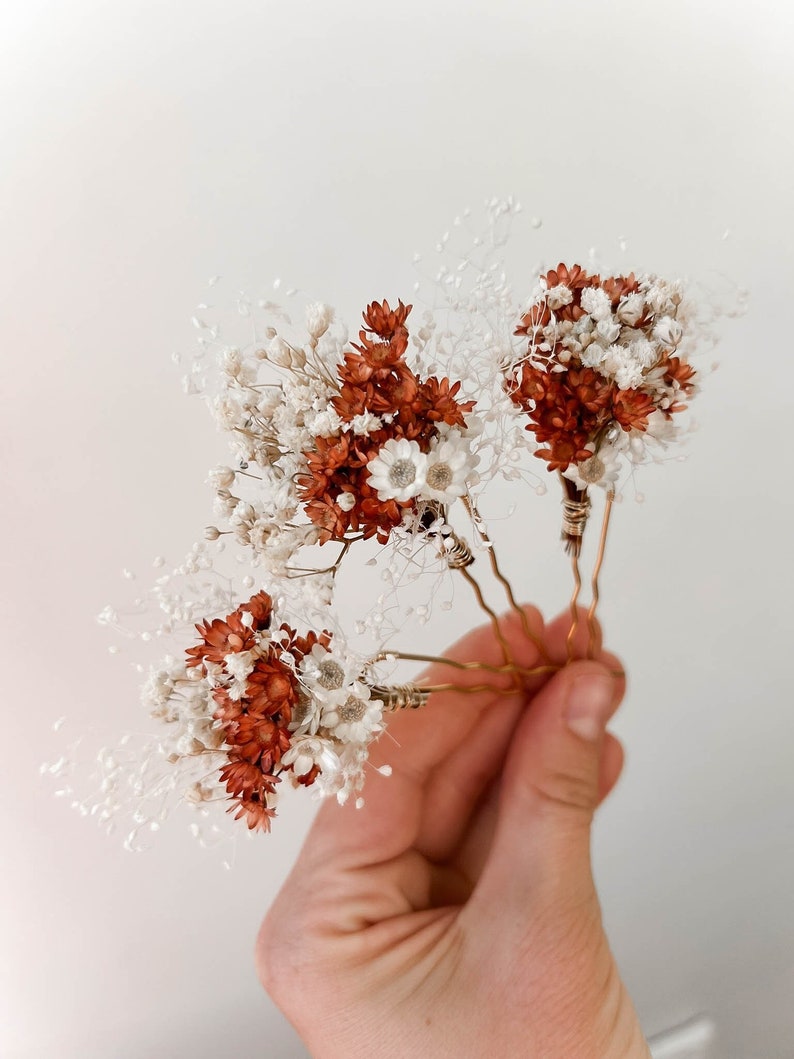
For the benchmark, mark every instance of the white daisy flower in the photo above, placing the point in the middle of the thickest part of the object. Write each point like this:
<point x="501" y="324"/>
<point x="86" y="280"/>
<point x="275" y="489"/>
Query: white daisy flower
<point x="306" y="751"/>
<point x="398" y="471"/>
<point x="327" y="674"/>
<point x="450" y="463"/>
<point x="357" y="718"/>
<point x="306" y="714"/>
<point x="601" y="468"/>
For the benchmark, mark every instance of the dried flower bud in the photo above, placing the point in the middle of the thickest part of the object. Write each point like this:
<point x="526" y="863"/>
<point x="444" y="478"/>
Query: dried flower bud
<point x="279" y="353"/>
<point x="631" y="309"/>
<point x="211" y="533"/>
<point x="668" y="331"/>
<point x="221" y="477"/>
<point x="318" y="318"/>
<point x="559" y="296"/>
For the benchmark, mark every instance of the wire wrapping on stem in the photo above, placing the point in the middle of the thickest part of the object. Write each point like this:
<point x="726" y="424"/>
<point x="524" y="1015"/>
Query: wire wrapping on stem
<point x="575" y="512"/>
<point x="458" y="554"/>
<point x="400" y="696"/>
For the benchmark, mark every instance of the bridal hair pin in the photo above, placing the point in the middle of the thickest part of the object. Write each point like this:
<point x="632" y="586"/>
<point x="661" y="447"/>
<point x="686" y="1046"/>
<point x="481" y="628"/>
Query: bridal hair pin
<point x="381" y="450"/>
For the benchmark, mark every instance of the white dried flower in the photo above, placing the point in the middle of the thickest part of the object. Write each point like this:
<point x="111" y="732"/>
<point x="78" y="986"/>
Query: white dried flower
<point x="596" y="302"/>
<point x="668" y="331"/>
<point x="608" y="329"/>
<point x="643" y="352"/>
<point x="325" y="424"/>
<point x="559" y="296"/>
<point x="600" y="469"/>
<point x="450" y="462"/>
<point x="630" y="309"/>
<point x="357" y="717"/>
<point x="366" y="423"/>
<point x="319" y="317"/>
<point x="306" y="751"/>
<point x="239" y="665"/>
<point x="221" y="477"/>
<point x="398" y="471"/>
<point x="327" y="674"/>
<point x="594" y="356"/>
<point x="279" y="353"/>
<point x="628" y="372"/>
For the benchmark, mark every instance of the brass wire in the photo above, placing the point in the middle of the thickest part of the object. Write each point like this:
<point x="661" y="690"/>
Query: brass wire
<point x="506" y="652"/>
<point x="407" y="656"/>
<point x="577" y="586"/>
<point x="591" y="613"/>
<point x="474" y="515"/>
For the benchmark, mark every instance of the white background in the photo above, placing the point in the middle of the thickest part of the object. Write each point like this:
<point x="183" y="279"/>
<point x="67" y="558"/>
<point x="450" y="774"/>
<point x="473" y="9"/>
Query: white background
<point x="148" y="146"/>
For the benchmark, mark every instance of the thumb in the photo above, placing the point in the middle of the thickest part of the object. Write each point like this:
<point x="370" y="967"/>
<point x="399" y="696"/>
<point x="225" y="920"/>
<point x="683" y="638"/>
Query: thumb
<point x="550" y="790"/>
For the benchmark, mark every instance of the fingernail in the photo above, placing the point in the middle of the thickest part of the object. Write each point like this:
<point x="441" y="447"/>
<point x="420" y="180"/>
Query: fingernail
<point x="589" y="704"/>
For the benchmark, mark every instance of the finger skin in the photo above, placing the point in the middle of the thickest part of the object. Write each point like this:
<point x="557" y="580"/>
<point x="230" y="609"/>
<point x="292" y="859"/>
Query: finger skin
<point x="550" y="789"/>
<point x="417" y="742"/>
<point x="456" y="912"/>
<point x="457" y="785"/>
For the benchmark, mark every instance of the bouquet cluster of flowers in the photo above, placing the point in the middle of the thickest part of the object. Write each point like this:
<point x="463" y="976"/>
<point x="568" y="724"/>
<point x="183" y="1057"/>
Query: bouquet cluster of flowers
<point x="367" y="444"/>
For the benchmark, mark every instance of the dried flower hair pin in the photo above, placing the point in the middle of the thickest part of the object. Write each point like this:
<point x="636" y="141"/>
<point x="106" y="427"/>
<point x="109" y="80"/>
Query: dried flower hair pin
<point x="343" y="448"/>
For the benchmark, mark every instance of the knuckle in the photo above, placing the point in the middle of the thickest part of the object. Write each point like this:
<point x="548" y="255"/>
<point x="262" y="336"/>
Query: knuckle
<point x="565" y="791"/>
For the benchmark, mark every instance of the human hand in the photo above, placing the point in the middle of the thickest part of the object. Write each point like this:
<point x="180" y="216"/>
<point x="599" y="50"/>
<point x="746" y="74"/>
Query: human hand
<point x="455" y="914"/>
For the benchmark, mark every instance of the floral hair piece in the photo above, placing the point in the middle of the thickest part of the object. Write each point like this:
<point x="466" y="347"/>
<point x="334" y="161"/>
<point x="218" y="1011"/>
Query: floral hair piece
<point x="377" y="447"/>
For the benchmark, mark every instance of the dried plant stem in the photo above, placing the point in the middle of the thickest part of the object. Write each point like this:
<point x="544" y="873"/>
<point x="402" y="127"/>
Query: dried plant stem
<point x="295" y="572"/>
<point x="476" y="521"/>
<point x="591" y="613"/>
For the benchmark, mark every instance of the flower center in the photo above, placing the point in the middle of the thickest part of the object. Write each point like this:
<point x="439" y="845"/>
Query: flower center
<point x="332" y="676"/>
<point x="302" y="708"/>
<point x="402" y="473"/>
<point x="353" y="709"/>
<point x="592" y="470"/>
<point x="439" y="476"/>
